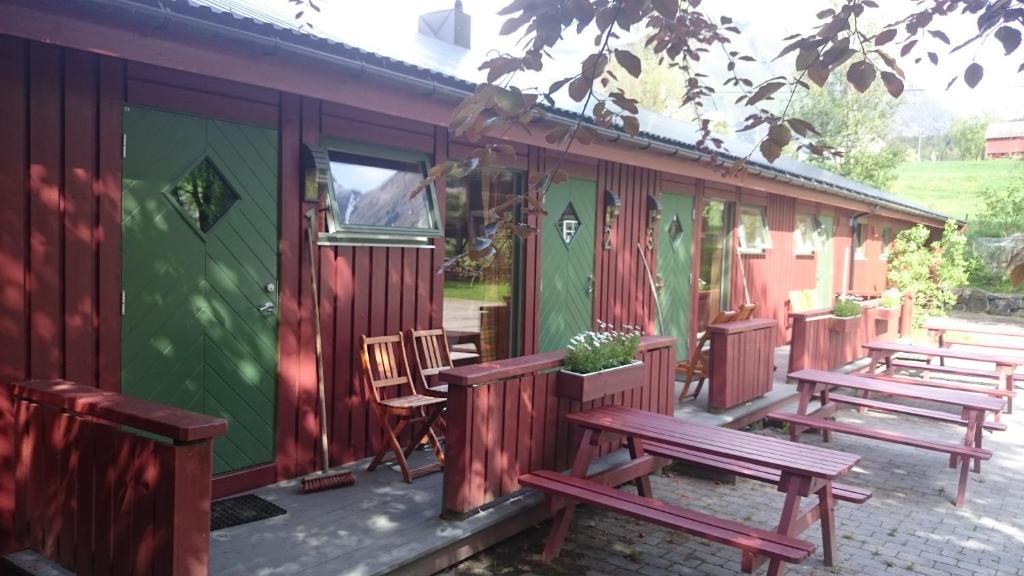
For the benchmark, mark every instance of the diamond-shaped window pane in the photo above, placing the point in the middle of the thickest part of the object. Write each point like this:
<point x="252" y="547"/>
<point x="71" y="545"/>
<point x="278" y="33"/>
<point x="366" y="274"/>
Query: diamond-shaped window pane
<point x="204" y="195"/>
<point x="675" y="229"/>
<point x="568" y="224"/>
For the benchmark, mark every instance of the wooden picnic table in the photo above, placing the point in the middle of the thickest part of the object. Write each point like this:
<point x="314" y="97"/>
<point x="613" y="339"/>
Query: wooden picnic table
<point x="802" y="470"/>
<point x="973" y="408"/>
<point x="939" y="327"/>
<point x="1004" y="364"/>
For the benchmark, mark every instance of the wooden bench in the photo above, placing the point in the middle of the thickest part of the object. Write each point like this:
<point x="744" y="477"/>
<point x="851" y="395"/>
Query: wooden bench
<point x="910" y="411"/>
<point x="1004" y="364"/>
<point x="973" y="408"/>
<point x="944" y="384"/>
<point x="749" y="539"/>
<point x="803" y="472"/>
<point x="923" y="365"/>
<point x="844" y="492"/>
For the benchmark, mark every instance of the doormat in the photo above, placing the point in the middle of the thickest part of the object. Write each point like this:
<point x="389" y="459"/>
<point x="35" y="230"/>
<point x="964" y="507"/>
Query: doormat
<point x="241" y="510"/>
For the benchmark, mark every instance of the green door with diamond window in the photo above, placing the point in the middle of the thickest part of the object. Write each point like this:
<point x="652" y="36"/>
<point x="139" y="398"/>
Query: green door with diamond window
<point x="199" y="254"/>
<point x="567" y="262"/>
<point x="675" y="268"/>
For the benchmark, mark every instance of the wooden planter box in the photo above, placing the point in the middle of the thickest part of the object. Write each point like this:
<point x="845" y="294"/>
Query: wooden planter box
<point x="887" y="323"/>
<point x="742" y="362"/>
<point x="844" y="325"/>
<point x="586" y="387"/>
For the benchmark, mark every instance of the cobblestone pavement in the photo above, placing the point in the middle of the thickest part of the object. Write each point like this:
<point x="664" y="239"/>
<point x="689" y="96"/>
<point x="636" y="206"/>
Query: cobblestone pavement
<point x="909" y="527"/>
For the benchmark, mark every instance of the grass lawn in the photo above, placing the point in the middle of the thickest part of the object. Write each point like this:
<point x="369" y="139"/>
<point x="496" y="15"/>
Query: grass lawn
<point x="954" y="188"/>
<point x="466" y="290"/>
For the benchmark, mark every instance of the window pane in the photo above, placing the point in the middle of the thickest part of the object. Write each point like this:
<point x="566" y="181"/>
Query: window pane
<point x="806" y="234"/>
<point x="375" y="192"/>
<point x="753" y="228"/>
<point x="481" y="311"/>
<point x="715" y="261"/>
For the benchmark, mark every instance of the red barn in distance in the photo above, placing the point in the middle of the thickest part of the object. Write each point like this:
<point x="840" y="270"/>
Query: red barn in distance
<point x="1005" y="140"/>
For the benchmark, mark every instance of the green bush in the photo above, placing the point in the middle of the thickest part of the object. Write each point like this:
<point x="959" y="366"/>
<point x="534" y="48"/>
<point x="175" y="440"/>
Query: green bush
<point x="891" y="298"/>
<point x="931" y="272"/>
<point x="846" y="308"/>
<point x="595" y="351"/>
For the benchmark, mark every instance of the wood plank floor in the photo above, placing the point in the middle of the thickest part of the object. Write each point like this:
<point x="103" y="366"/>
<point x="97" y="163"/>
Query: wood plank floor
<point x="374" y="527"/>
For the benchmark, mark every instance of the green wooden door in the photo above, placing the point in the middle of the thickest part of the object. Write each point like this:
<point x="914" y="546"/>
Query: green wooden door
<point x="199" y="254"/>
<point x="675" y="268"/>
<point x="567" y="262"/>
<point x="825" y="271"/>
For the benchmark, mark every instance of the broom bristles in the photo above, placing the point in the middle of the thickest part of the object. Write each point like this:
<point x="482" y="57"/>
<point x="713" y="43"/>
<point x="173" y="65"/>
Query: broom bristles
<point x="320" y="481"/>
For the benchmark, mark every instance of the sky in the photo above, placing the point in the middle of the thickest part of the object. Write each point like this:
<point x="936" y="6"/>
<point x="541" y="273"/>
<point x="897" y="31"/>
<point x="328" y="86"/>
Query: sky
<point x="390" y="27"/>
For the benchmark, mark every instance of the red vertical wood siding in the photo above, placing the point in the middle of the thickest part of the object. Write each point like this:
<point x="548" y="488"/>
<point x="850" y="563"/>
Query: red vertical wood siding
<point x="60" y="180"/>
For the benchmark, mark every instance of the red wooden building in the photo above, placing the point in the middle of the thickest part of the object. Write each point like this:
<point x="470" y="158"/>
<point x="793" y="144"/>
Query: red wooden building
<point x="1005" y="140"/>
<point x="152" y="167"/>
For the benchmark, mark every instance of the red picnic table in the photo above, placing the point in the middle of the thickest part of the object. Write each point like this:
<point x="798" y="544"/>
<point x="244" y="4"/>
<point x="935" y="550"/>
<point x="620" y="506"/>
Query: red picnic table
<point x="973" y="408"/>
<point x="1002" y="373"/>
<point x="798" y="470"/>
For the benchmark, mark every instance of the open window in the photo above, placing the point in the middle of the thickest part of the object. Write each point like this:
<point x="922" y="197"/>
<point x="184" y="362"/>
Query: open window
<point x="860" y="232"/>
<point x="375" y="200"/>
<point x="807" y="234"/>
<point x="753" y="230"/>
<point x="887" y="238"/>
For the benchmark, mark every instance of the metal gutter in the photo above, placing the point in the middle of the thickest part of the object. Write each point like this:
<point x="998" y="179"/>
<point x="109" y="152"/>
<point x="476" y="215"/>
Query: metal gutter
<point x="165" y="17"/>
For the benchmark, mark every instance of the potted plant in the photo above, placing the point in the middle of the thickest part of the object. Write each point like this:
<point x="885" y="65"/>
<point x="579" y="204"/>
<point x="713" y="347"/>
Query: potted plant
<point x="600" y="363"/>
<point x="845" y="315"/>
<point x="889" y="304"/>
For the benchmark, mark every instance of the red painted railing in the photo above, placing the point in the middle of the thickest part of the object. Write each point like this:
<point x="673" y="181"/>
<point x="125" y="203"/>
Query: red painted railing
<point x="742" y="361"/>
<point x="504" y="419"/>
<point x="823" y="342"/>
<point x="108" y="484"/>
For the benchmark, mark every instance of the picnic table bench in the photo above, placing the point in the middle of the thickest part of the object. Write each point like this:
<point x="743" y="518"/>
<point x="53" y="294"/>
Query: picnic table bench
<point x="973" y="408"/>
<point x="1002" y="373"/>
<point x="798" y="470"/>
<point x="1007" y="337"/>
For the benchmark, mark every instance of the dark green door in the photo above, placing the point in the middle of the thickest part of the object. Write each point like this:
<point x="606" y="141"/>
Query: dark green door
<point x="567" y="262"/>
<point x="199" y="225"/>
<point x="675" y="268"/>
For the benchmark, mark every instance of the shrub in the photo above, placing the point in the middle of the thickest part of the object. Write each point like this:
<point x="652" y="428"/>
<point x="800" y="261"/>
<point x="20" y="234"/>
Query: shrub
<point x="595" y="351"/>
<point x="891" y="298"/>
<point x="932" y="273"/>
<point x="846" y="308"/>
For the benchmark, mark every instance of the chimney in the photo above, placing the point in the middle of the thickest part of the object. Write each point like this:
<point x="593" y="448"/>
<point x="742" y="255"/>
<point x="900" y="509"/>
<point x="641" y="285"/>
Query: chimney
<point x="451" y="26"/>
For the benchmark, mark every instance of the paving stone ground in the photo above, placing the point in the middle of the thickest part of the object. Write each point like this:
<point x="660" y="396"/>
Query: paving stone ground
<point x="909" y="527"/>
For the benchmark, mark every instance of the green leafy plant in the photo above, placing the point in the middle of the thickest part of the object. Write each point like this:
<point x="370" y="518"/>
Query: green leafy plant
<point x="589" y="351"/>
<point x="846" y="308"/>
<point x="932" y="273"/>
<point x="891" y="298"/>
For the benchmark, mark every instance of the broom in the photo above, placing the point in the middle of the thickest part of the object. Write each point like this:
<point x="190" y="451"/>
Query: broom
<point x="323" y="479"/>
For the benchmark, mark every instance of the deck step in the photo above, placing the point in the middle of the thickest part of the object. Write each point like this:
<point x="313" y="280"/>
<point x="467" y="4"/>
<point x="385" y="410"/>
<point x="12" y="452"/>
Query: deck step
<point x="746" y="538"/>
<point x="884" y="435"/>
<point x="909" y="410"/>
<point x="842" y="492"/>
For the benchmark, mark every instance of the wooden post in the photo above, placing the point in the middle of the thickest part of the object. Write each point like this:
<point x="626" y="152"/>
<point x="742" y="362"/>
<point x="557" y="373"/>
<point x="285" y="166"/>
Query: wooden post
<point x="907" y="315"/>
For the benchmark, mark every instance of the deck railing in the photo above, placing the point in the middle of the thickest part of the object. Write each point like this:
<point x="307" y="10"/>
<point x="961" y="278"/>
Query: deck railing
<point x="504" y="419"/>
<point x="819" y="342"/>
<point x="108" y="484"/>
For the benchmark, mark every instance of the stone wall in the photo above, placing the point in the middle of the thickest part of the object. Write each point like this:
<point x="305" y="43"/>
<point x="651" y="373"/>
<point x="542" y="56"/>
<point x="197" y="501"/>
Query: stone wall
<point x="982" y="302"/>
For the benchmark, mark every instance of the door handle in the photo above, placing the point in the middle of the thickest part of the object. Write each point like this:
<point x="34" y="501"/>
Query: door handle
<point x="590" y="285"/>
<point x="659" y="282"/>
<point x="267" y="307"/>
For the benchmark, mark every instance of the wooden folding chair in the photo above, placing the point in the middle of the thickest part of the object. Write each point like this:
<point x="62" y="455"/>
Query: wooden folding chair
<point x="698" y="364"/>
<point x="746" y="312"/>
<point x="392" y="395"/>
<point x="430" y="355"/>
